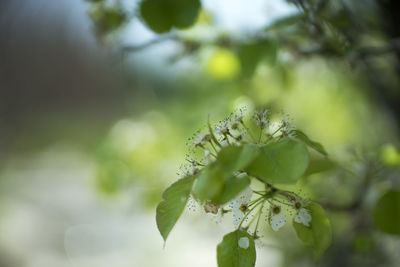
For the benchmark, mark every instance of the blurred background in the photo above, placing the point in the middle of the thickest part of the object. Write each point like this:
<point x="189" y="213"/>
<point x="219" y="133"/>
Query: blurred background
<point x="98" y="99"/>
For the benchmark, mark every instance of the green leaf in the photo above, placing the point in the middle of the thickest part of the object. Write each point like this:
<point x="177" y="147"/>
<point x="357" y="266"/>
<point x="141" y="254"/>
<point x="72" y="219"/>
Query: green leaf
<point x="209" y="183"/>
<point x="319" y="165"/>
<point x="162" y="15"/>
<point x="234" y="158"/>
<point x="231" y="189"/>
<point x="217" y="182"/>
<point x="251" y="54"/>
<point x="314" y="145"/>
<point x="230" y="254"/>
<point x="283" y="162"/>
<point x="319" y="233"/>
<point x="174" y="201"/>
<point x="386" y="213"/>
<point x="390" y="155"/>
<point x="107" y="19"/>
<point x="212" y="185"/>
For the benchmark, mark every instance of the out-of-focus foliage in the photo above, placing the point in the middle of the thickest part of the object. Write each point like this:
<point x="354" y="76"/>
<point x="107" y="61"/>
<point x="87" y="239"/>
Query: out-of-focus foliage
<point x="251" y="54"/>
<point x="332" y="65"/>
<point x="163" y="15"/>
<point x="387" y="212"/>
<point x="107" y="18"/>
<point x="390" y="155"/>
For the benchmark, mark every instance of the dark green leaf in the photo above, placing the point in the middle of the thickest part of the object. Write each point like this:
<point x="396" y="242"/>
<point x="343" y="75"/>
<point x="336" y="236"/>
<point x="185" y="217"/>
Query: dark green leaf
<point x="156" y="15"/>
<point x="185" y="12"/>
<point x="283" y="162"/>
<point x="319" y="233"/>
<point x="230" y="254"/>
<point x="303" y="137"/>
<point x="162" y="15"/>
<point x="174" y="201"/>
<point x="386" y="213"/>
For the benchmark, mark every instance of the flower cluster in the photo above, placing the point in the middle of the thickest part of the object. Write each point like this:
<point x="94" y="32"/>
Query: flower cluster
<point x="249" y="205"/>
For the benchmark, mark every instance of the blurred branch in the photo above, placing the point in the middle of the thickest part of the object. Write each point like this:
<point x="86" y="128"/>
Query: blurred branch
<point x="139" y="47"/>
<point x="360" y="195"/>
<point x="320" y="5"/>
<point x="394" y="45"/>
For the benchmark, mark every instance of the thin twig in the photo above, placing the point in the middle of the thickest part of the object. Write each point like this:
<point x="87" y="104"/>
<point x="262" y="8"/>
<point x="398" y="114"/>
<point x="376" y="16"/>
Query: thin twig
<point x="160" y="39"/>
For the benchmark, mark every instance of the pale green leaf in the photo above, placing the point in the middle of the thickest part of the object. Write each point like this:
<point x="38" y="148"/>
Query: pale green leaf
<point x="230" y="254"/>
<point x="174" y="201"/>
<point x="319" y="233"/>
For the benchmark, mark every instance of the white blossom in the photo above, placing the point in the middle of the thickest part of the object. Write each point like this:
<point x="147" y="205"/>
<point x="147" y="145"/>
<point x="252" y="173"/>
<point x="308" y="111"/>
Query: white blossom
<point x="303" y="216"/>
<point x="262" y="118"/>
<point x="201" y="140"/>
<point x="238" y="203"/>
<point x="224" y="143"/>
<point x="239" y="117"/>
<point x="277" y="221"/>
<point x="223" y="128"/>
<point x="218" y="216"/>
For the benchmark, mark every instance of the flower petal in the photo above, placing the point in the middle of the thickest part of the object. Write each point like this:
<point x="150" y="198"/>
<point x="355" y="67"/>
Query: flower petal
<point x="237" y="217"/>
<point x="245" y="196"/>
<point x="303" y="216"/>
<point x="218" y="216"/>
<point x="234" y="204"/>
<point x="277" y="221"/>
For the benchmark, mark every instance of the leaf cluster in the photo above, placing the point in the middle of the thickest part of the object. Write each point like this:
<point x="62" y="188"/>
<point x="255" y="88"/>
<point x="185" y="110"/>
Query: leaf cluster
<point x="274" y="158"/>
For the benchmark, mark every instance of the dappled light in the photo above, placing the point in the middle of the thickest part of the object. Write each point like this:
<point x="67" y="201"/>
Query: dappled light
<point x="199" y="133"/>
